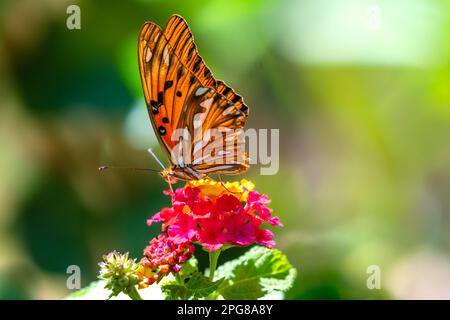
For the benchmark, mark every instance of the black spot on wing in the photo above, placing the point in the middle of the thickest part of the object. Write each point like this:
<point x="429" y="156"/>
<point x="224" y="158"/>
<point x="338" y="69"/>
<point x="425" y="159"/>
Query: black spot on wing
<point x="191" y="52"/>
<point x="197" y="64"/>
<point x="162" y="131"/>
<point x="226" y="91"/>
<point x="180" y="72"/>
<point x="154" y="107"/>
<point x="168" y="84"/>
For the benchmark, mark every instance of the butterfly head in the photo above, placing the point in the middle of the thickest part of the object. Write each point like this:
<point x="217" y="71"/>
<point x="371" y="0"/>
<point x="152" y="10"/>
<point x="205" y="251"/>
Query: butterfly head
<point x="168" y="175"/>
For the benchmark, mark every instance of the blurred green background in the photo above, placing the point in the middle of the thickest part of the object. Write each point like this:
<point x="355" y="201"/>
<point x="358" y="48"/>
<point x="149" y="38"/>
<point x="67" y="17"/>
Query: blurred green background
<point x="359" y="91"/>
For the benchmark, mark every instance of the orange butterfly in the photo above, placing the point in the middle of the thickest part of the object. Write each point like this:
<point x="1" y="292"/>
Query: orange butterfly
<point x="198" y="120"/>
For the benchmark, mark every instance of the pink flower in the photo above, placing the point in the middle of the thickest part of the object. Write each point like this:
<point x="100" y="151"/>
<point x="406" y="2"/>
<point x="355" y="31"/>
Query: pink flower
<point x="257" y="203"/>
<point x="183" y="229"/>
<point x="207" y="213"/>
<point x="211" y="234"/>
<point x="163" y="255"/>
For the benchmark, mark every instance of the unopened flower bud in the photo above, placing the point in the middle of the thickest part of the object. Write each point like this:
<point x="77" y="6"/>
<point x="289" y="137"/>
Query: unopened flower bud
<point x="120" y="273"/>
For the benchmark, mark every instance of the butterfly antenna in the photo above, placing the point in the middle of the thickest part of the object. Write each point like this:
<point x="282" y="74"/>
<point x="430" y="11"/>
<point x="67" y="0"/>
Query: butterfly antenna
<point x="150" y="150"/>
<point x="103" y="168"/>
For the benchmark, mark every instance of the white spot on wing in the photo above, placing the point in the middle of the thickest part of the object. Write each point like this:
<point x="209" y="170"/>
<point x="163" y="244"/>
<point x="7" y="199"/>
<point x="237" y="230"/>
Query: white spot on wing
<point x="198" y="146"/>
<point x="221" y="152"/>
<point x="200" y="91"/>
<point x="207" y="103"/>
<point x="148" y="55"/>
<point x="199" y="160"/>
<point x="219" y="168"/>
<point x="166" y="55"/>
<point x="228" y="110"/>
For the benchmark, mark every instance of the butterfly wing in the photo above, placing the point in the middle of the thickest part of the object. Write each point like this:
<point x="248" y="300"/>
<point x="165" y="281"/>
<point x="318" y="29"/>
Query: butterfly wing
<point x="149" y="57"/>
<point x="182" y="95"/>
<point x="180" y="39"/>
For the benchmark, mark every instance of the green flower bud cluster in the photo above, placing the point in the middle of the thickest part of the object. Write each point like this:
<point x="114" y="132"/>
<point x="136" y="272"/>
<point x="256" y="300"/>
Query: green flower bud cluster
<point x="121" y="274"/>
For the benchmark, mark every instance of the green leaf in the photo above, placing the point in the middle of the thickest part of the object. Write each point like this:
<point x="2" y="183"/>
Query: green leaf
<point x="197" y="287"/>
<point x="188" y="268"/>
<point x="259" y="272"/>
<point x="174" y="292"/>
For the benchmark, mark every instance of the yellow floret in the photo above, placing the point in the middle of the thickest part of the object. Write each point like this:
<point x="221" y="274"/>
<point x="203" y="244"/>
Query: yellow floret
<point x="212" y="188"/>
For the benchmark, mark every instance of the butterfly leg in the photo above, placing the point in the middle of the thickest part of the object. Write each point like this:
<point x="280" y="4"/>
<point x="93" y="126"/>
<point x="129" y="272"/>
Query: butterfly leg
<point x="223" y="185"/>
<point x="170" y="180"/>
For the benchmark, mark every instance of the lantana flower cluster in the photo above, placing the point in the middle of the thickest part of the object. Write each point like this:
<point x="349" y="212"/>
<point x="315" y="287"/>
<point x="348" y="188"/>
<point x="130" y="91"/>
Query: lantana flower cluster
<point x="162" y="256"/>
<point x="215" y="214"/>
<point x="212" y="214"/>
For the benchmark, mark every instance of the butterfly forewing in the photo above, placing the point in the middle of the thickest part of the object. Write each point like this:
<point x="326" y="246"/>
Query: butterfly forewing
<point x="180" y="38"/>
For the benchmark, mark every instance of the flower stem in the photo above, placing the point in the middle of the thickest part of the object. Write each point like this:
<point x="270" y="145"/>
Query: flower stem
<point x="134" y="294"/>
<point x="178" y="278"/>
<point x="213" y="257"/>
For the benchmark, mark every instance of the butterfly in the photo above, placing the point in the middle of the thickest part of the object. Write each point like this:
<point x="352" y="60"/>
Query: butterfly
<point x="198" y="120"/>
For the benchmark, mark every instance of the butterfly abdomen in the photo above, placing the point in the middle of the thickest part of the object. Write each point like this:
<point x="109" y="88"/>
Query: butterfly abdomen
<point x="186" y="172"/>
